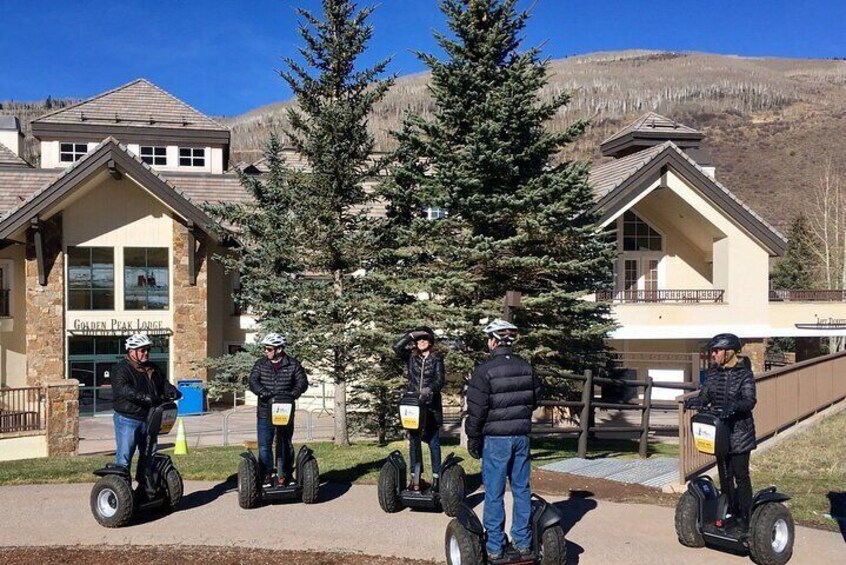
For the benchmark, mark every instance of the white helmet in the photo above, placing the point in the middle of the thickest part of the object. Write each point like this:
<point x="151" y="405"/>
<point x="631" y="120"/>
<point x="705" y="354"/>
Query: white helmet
<point x="137" y="341"/>
<point x="274" y="340"/>
<point x="504" y="332"/>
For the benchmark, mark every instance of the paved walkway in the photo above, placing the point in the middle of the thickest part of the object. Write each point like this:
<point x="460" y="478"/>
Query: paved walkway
<point x="349" y="519"/>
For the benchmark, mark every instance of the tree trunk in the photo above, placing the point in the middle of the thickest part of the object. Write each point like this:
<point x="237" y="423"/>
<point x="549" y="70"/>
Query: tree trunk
<point x="342" y="436"/>
<point x="462" y="433"/>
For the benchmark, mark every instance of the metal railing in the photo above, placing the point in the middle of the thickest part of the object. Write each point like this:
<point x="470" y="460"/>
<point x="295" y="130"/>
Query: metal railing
<point x="829" y="295"/>
<point x="683" y="296"/>
<point x="785" y="397"/>
<point x="588" y="404"/>
<point x="21" y="410"/>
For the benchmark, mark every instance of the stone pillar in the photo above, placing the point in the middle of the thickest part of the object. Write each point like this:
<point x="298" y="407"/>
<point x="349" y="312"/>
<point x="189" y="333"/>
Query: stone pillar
<point x="62" y="417"/>
<point x="755" y="350"/>
<point x="190" y="306"/>
<point x="45" y="312"/>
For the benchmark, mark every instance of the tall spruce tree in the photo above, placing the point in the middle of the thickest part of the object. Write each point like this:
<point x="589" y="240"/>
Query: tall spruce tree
<point x="305" y="240"/>
<point x="515" y="220"/>
<point x="799" y="267"/>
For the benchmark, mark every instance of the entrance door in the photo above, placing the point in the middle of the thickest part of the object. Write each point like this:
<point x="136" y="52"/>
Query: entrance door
<point x="91" y="361"/>
<point x="640" y="279"/>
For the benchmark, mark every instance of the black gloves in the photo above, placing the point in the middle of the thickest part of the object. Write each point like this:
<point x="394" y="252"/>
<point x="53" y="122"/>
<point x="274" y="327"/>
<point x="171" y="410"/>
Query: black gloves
<point x="265" y="394"/>
<point x="474" y="447"/>
<point x="145" y="400"/>
<point x="693" y="403"/>
<point x="426" y="395"/>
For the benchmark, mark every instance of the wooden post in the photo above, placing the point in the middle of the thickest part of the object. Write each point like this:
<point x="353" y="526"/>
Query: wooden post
<point x="584" y="420"/>
<point x="511" y="302"/>
<point x="644" y="421"/>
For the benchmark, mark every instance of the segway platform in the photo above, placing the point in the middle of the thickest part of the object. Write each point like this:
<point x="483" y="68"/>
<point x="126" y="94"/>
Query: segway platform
<point x="394" y="495"/>
<point x="252" y="491"/>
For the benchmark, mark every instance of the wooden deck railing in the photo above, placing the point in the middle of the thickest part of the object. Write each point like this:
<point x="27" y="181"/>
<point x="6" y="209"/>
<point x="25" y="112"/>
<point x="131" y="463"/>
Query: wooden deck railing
<point x="831" y="295"/>
<point x="684" y="296"/>
<point x="21" y="409"/>
<point x="786" y="396"/>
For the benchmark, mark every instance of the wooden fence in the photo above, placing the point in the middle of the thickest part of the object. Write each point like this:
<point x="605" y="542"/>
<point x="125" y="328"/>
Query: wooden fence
<point x="785" y="395"/>
<point x="588" y="403"/>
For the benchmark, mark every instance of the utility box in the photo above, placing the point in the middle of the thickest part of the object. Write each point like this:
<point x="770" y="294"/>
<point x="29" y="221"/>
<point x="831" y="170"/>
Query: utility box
<point x="193" y="396"/>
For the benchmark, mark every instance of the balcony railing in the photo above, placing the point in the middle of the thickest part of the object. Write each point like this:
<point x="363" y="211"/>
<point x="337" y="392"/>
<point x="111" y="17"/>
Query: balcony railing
<point x="21" y="410"/>
<point x="829" y="295"/>
<point x="680" y="296"/>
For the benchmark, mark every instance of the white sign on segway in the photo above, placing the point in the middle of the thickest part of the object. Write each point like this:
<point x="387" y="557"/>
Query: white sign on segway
<point x="704" y="436"/>
<point x="281" y="413"/>
<point x="410" y="416"/>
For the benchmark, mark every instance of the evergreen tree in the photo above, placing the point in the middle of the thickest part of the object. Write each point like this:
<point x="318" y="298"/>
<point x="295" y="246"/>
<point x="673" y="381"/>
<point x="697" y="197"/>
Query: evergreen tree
<point x="304" y="242"/>
<point x="798" y="269"/>
<point x="516" y="220"/>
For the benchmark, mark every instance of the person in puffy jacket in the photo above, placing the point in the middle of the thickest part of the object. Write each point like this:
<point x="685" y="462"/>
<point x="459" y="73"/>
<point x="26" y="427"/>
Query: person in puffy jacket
<point x="276" y="377"/>
<point x="137" y="386"/>
<point x="730" y="386"/>
<point x="501" y="396"/>
<point x="425" y="380"/>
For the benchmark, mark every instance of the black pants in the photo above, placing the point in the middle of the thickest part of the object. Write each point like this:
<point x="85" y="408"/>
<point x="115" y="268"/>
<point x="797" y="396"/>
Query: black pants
<point x="736" y="484"/>
<point x="284" y="463"/>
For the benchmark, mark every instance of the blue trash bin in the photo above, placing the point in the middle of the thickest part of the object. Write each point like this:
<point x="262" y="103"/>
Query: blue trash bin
<point x="192" y="397"/>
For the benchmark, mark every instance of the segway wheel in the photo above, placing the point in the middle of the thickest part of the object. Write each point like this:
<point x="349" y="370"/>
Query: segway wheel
<point x="771" y="534"/>
<point x="452" y="490"/>
<point x="248" y="487"/>
<point x="112" y="502"/>
<point x="687" y="518"/>
<point x="553" y="548"/>
<point x="389" y="499"/>
<point x="310" y="481"/>
<point x="175" y="488"/>
<point x="462" y="546"/>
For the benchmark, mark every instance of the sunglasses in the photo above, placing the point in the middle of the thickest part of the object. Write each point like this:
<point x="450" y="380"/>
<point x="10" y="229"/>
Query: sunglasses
<point x="268" y="349"/>
<point x="144" y="350"/>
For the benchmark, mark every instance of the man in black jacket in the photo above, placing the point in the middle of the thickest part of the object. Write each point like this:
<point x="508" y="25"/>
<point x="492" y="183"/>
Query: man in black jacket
<point x="279" y="378"/>
<point x="501" y="397"/>
<point x="730" y="385"/>
<point x="137" y="386"/>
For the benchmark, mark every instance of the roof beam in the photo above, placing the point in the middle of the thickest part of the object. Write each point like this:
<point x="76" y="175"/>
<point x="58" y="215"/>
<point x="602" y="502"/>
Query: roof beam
<point x="38" y="240"/>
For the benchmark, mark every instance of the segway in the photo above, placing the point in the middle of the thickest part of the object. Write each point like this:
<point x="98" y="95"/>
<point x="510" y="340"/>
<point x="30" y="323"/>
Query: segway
<point x="465" y="539"/>
<point x="703" y="516"/>
<point x="252" y="488"/>
<point x="445" y="495"/>
<point x="114" y="502"/>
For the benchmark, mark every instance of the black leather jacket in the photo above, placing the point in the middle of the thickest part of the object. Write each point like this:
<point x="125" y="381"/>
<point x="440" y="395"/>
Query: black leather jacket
<point x="423" y="372"/>
<point x="501" y="396"/>
<point x="134" y="392"/>
<point x="733" y="388"/>
<point x="287" y="381"/>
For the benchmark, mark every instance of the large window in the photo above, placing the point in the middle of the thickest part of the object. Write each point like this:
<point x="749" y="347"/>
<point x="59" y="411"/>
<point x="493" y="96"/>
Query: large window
<point x="192" y="157"/>
<point x="638" y="235"/>
<point x="91" y="278"/>
<point x="146" y="280"/>
<point x="72" y="152"/>
<point x="154" y="155"/>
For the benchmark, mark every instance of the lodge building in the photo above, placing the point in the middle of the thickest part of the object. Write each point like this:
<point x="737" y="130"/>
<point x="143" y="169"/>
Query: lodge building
<point x="108" y="237"/>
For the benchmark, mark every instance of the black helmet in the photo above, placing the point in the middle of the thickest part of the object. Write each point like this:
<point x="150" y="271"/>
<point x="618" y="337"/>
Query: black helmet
<point x="725" y="341"/>
<point x="430" y="333"/>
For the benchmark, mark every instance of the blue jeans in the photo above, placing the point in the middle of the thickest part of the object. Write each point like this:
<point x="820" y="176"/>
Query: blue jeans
<point x="129" y="435"/>
<point x="431" y="435"/>
<point x="507" y="457"/>
<point x="284" y="446"/>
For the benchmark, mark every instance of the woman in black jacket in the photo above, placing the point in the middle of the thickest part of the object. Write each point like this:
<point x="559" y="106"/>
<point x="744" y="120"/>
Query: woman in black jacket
<point x="425" y="379"/>
<point x="730" y="385"/>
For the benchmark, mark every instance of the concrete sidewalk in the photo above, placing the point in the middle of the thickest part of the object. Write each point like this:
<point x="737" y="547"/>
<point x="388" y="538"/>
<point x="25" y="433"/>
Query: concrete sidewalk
<point x="349" y="519"/>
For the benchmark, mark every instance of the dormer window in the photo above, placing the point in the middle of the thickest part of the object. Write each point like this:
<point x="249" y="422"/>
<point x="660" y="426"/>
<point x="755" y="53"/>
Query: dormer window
<point x="72" y="152"/>
<point x="192" y="157"/>
<point x="638" y="235"/>
<point x="154" y="155"/>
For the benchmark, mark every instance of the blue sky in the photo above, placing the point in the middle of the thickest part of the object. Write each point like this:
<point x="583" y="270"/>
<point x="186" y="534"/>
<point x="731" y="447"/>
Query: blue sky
<point x="221" y="55"/>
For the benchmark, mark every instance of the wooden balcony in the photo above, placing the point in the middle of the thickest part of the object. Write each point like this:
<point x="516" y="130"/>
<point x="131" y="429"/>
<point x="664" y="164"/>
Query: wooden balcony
<point x="677" y="296"/>
<point x="828" y="295"/>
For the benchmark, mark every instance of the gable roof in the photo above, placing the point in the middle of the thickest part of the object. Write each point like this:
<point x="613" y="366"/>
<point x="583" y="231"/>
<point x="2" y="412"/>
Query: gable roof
<point x="618" y="183"/>
<point x="8" y="158"/>
<point x="108" y="154"/>
<point x="649" y="129"/>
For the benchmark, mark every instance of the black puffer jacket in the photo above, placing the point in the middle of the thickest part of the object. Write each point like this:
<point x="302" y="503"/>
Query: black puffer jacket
<point x="501" y="396"/>
<point x="134" y="391"/>
<point x="288" y="380"/>
<point x="733" y="387"/>
<point x="428" y="370"/>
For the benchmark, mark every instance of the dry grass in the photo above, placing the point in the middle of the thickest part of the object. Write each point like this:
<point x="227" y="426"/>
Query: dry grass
<point x="810" y="467"/>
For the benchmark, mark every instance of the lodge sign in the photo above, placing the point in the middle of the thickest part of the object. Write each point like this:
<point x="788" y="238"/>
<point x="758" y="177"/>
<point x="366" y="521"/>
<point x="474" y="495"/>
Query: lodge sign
<point x="824" y="324"/>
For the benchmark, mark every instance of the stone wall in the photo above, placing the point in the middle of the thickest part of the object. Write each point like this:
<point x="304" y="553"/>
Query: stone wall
<point x="45" y="313"/>
<point x="62" y="417"/>
<point x="755" y="349"/>
<point x="190" y="306"/>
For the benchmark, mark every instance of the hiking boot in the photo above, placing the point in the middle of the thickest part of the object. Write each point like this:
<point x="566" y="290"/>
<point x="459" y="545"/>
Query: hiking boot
<point x="424" y="485"/>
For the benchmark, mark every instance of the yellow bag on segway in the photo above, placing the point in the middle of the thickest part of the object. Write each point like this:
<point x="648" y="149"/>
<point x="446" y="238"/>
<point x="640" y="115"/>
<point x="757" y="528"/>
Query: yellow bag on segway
<point x="412" y="413"/>
<point x="280" y="413"/>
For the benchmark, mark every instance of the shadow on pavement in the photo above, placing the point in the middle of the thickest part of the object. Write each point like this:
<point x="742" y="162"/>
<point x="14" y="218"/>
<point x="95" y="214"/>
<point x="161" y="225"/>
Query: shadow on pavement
<point x="351" y="474"/>
<point x="572" y="511"/>
<point x="838" y="510"/>
<point x="331" y="491"/>
<point x="202" y="497"/>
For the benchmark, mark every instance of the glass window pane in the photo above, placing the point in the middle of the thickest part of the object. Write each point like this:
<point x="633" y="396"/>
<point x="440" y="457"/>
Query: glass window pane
<point x="108" y="345"/>
<point x="184" y="151"/>
<point x="157" y="257"/>
<point x="81" y="346"/>
<point x="102" y="300"/>
<point x="79" y="299"/>
<point x="83" y="372"/>
<point x="199" y="162"/>
<point x="161" y="151"/>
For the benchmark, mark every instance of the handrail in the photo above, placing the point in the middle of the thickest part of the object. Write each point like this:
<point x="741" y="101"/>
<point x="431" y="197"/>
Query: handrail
<point x="687" y="296"/>
<point x="802" y="295"/>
